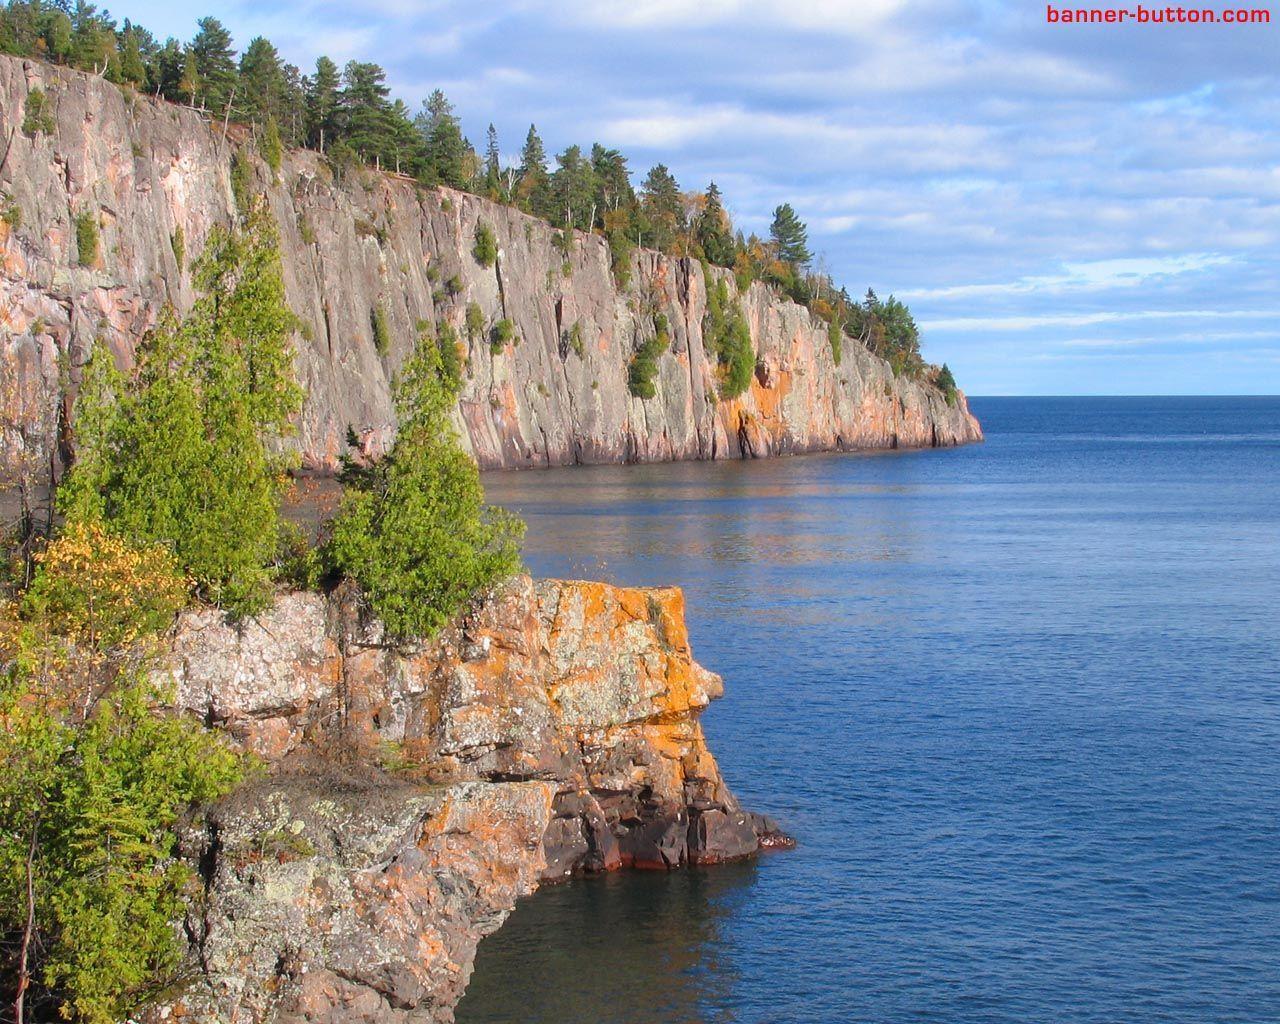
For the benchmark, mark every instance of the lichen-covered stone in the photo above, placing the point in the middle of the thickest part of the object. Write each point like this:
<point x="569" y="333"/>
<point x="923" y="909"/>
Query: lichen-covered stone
<point x="151" y="171"/>
<point x="412" y="795"/>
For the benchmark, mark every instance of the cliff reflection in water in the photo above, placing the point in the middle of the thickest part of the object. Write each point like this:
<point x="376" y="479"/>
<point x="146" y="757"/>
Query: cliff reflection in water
<point x="637" y="948"/>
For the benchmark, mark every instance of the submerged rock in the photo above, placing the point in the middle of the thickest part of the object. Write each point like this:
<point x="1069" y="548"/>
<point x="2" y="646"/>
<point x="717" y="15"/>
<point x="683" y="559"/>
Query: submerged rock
<point x="410" y="796"/>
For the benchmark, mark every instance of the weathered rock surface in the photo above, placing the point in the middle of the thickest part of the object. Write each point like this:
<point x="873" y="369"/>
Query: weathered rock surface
<point x="411" y="796"/>
<point x="154" y="174"/>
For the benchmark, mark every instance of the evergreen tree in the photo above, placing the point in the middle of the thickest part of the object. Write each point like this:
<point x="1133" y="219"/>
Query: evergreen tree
<point x="366" y="122"/>
<point x="573" y="190"/>
<point x="446" y="149"/>
<point x="322" y="101"/>
<point x="662" y="208"/>
<point x="790" y="237"/>
<point x="492" y="165"/>
<point x="713" y="230"/>
<point x="414" y="531"/>
<point x="177" y="454"/>
<point x="262" y="81"/>
<point x="215" y="64"/>
<point x="533" y="188"/>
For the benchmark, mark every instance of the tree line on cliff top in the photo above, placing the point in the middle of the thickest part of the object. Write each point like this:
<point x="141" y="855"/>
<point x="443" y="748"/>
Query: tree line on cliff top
<point x="349" y="115"/>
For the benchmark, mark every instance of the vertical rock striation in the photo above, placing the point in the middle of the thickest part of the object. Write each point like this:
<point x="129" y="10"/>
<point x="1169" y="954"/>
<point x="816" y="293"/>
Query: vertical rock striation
<point x="411" y="796"/>
<point x="156" y="177"/>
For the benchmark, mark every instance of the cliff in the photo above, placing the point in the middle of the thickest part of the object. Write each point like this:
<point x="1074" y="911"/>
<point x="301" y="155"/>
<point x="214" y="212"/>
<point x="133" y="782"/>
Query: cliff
<point x="411" y="796"/>
<point x="156" y="178"/>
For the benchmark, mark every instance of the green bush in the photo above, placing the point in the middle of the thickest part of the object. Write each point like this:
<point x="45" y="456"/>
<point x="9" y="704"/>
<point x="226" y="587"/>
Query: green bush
<point x="486" y="247"/>
<point x="946" y="383"/>
<point x="504" y="331"/>
<point x="95" y="777"/>
<point x="179" y="452"/>
<point x="38" y="119"/>
<point x="10" y="211"/>
<point x="575" y="340"/>
<point x="450" y="356"/>
<point x="475" y="321"/>
<point x="272" y="148"/>
<point x="87" y="238"/>
<point x="381" y="331"/>
<point x="414" y="531"/>
<point x="241" y="182"/>
<point x="726" y="334"/>
<point x="179" y="242"/>
<point x="644" y="364"/>
<point x="454" y="285"/>
<point x="836" y="337"/>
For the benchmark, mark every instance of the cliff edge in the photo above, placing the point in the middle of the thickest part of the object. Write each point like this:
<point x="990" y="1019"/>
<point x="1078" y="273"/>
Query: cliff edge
<point x="409" y="797"/>
<point x="366" y="259"/>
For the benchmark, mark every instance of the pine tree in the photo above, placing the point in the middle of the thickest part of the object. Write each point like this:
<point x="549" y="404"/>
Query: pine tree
<point x="262" y="81"/>
<point x="661" y="207"/>
<point x="573" y="190"/>
<point x="322" y="100"/>
<point x="790" y="237"/>
<point x="446" y="149"/>
<point x="533" y="189"/>
<point x="713" y="230"/>
<point x="215" y="64"/>
<point x="492" y="165"/>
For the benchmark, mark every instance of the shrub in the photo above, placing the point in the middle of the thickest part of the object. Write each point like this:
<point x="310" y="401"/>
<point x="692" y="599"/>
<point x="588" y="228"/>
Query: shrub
<point x="381" y="331"/>
<point x="454" y="285"/>
<point x="38" y="119"/>
<point x="576" y="342"/>
<point x="644" y="364"/>
<point x="241" y="182"/>
<point x="504" y="331"/>
<point x="474" y="321"/>
<point x="178" y="453"/>
<point x="272" y="148"/>
<point x="87" y="238"/>
<point x="727" y="335"/>
<point x="413" y="530"/>
<point x="450" y="356"/>
<point x="836" y="337"/>
<point x="179" y="242"/>
<point x="946" y="383"/>
<point x="94" y="777"/>
<point x="486" y="247"/>
<point x="10" y="211"/>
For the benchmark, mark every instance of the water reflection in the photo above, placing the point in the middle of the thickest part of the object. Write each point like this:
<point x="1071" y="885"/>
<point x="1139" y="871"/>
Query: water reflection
<point x="638" y="949"/>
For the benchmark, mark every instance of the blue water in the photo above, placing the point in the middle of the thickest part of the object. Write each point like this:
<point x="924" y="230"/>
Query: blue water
<point x="1020" y="703"/>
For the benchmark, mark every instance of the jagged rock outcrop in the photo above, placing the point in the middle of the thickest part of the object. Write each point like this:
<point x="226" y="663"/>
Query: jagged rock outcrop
<point x="156" y="178"/>
<point x="411" y="796"/>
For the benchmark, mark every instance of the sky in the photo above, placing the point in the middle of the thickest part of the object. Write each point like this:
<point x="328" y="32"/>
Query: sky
<point x="1067" y="209"/>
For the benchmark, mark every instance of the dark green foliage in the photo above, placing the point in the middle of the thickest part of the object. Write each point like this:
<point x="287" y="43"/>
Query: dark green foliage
<point x="87" y="238"/>
<point x="946" y="383"/>
<point x="836" y="337"/>
<point x="241" y="182"/>
<point x="474" y="321"/>
<point x="888" y="330"/>
<point x="644" y="364"/>
<point x="451" y="362"/>
<point x="790" y="237"/>
<point x="504" y="331"/>
<point x="486" y="248"/>
<point x="272" y="148"/>
<point x="178" y="452"/>
<point x="713" y="232"/>
<point x="414" y="531"/>
<point x="725" y="332"/>
<point x="446" y="152"/>
<point x="381" y="331"/>
<point x="38" y="119"/>
<point x="215" y="64"/>
<point x="620" y="249"/>
<point x="661" y="208"/>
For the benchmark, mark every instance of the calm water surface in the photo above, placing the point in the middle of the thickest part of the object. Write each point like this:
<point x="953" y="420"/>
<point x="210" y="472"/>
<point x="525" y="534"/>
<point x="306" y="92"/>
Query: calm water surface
<point x="1019" y="702"/>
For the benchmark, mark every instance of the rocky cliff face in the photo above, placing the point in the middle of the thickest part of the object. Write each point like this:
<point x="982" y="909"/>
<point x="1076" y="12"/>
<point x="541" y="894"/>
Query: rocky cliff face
<point x="156" y="178"/>
<point x="410" y="796"/>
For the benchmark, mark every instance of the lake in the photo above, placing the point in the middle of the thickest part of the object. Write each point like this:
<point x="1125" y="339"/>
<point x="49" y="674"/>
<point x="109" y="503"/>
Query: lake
<point x="1019" y="703"/>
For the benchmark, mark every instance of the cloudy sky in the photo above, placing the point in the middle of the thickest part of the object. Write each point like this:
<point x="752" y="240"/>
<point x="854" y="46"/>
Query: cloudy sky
<point x="1085" y="209"/>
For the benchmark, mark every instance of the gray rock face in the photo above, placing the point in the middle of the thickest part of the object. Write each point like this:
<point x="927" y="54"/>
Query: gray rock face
<point x="157" y="179"/>
<point x="410" y="797"/>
